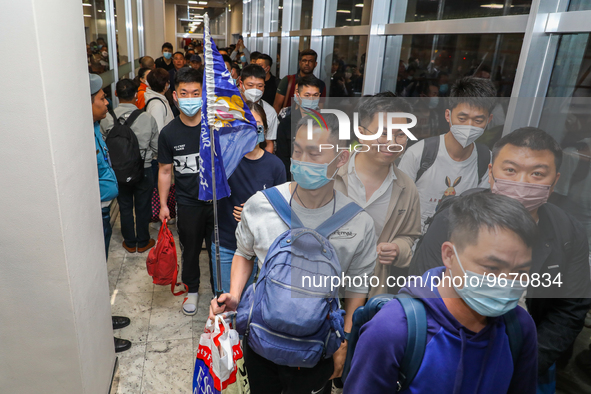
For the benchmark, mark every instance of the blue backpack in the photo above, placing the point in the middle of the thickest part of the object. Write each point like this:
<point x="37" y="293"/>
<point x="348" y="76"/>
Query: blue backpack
<point x="292" y="316"/>
<point x="416" y="320"/>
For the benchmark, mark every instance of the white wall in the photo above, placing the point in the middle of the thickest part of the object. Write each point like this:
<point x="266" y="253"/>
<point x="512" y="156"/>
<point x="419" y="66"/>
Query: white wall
<point x="170" y="26"/>
<point x="56" y="330"/>
<point x="154" y="27"/>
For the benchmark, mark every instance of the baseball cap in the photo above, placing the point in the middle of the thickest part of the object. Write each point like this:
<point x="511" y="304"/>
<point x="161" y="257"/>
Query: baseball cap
<point x="96" y="83"/>
<point x="195" y="58"/>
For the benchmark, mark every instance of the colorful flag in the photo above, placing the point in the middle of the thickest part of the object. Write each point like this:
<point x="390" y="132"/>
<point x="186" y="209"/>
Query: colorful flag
<point x="225" y="112"/>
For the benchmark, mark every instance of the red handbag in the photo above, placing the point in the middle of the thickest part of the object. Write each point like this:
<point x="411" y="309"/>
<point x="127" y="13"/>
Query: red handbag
<point x="162" y="261"/>
<point x="156" y="204"/>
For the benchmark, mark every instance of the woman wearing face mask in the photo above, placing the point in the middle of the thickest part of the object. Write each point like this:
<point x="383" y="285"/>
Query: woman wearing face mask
<point x="141" y="78"/>
<point x="258" y="170"/>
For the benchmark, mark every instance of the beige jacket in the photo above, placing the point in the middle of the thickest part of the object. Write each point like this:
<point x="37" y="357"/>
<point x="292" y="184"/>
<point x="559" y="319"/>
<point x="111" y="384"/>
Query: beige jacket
<point x="403" y="223"/>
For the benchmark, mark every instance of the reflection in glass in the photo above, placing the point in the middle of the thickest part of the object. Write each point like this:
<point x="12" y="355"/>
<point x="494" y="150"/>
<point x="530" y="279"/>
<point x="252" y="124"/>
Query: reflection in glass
<point x="120" y="25"/>
<point x="306" y="15"/>
<point x="95" y="28"/>
<point x="425" y="10"/>
<point x="566" y="116"/>
<point x="350" y="13"/>
<point x="414" y="62"/>
<point x="344" y="65"/>
<point x="579" y="5"/>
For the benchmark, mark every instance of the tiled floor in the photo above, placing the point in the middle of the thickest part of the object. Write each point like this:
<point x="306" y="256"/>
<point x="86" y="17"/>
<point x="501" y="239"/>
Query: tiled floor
<point x="162" y="356"/>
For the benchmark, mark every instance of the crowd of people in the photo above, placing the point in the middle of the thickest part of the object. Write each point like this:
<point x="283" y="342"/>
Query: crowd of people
<point x="446" y="207"/>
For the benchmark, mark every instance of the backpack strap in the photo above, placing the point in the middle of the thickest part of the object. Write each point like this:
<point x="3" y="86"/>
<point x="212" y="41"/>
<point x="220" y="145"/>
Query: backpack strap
<point x="483" y="160"/>
<point x="156" y="98"/>
<point x="513" y="330"/>
<point x="416" y="320"/>
<point x="115" y="118"/>
<point x="429" y="155"/>
<point x="133" y="116"/>
<point x="339" y="219"/>
<point x="282" y="207"/>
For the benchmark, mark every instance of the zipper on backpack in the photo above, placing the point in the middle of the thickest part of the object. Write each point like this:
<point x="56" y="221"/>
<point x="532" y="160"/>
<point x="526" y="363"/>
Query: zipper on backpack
<point x="314" y="293"/>
<point x="285" y="336"/>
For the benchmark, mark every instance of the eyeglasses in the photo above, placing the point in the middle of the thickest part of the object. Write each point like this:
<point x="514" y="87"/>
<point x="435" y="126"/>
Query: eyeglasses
<point x="400" y="137"/>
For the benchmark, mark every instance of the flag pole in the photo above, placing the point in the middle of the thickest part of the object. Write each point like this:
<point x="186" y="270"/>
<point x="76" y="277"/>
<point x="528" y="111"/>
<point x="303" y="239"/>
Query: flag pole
<point x="209" y="94"/>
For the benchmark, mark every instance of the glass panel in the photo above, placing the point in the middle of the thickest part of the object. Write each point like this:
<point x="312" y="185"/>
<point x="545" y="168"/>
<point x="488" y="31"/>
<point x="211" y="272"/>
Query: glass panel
<point x="351" y="13"/>
<point x="566" y="116"/>
<point x="260" y="14"/>
<point x="304" y="44"/>
<point x="346" y="62"/>
<point x="579" y="5"/>
<point x="95" y="29"/>
<point x="414" y="62"/>
<point x="306" y="15"/>
<point x="276" y="26"/>
<point x="136" y="45"/>
<point x="123" y="56"/>
<point x="424" y="10"/>
<point x="246" y="16"/>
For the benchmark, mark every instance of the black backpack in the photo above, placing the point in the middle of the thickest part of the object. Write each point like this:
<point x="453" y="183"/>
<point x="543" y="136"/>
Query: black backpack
<point x="124" y="149"/>
<point x="158" y="99"/>
<point x="430" y="154"/>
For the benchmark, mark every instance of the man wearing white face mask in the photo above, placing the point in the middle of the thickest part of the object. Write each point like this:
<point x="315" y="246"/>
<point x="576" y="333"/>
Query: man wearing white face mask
<point x="525" y="167"/>
<point x="178" y="150"/>
<point x="477" y="339"/>
<point x="449" y="164"/>
<point x="313" y="199"/>
<point x="252" y="86"/>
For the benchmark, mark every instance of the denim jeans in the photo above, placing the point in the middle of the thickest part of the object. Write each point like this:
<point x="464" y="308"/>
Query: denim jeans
<point x="107" y="229"/>
<point x="138" y="198"/>
<point x="226" y="256"/>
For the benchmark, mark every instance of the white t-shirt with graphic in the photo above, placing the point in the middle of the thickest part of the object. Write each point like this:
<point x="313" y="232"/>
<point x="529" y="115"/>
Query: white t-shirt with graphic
<point x="446" y="177"/>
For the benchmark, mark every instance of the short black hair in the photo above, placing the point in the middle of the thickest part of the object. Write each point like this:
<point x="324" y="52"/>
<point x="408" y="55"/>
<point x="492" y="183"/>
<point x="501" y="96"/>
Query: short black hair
<point x="188" y="56"/>
<point x="332" y="123"/>
<point x="235" y="66"/>
<point x="167" y="45"/>
<point x="476" y="92"/>
<point x="126" y="89"/>
<point x="158" y="79"/>
<point x="470" y="213"/>
<point x="531" y="138"/>
<point x="178" y="53"/>
<point x="253" y="70"/>
<point x="308" y="80"/>
<point x="266" y="58"/>
<point x="100" y="39"/>
<point x="369" y="106"/>
<point x="187" y="75"/>
<point x="142" y="72"/>
<point x="308" y="52"/>
<point x="227" y="59"/>
<point x="254" y="55"/>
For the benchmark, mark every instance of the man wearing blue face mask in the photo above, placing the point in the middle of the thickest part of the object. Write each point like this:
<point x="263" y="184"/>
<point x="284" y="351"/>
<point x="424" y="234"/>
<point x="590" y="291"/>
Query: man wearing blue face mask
<point x="313" y="199"/>
<point x="258" y="170"/>
<point x="165" y="61"/>
<point x="178" y="151"/>
<point x="477" y="339"/>
<point x="308" y="91"/>
<point x="526" y="167"/>
<point x="451" y="163"/>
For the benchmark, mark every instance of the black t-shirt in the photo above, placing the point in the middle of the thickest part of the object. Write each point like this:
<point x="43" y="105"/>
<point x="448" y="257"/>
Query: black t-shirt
<point x="249" y="177"/>
<point x="178" y="144"/>
<point x="287" y="121"/>
<point x="270" y="90"/>
<point x="160" y="63"/>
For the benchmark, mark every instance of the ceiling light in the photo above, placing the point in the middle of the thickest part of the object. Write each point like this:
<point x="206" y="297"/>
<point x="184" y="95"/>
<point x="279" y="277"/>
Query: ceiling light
<point x="359" y="5"/>
<point x="344" y="11"/>
<point x="196" y="8"/>
<point x="193" y="2"/>
<point x="88" y="16"/>
<point x="86" y="5"/>
<point x="491" y="6"/>
<point x="347" y="20"/>
<point x="280" y="7"/>
<point x="203" y="2"/>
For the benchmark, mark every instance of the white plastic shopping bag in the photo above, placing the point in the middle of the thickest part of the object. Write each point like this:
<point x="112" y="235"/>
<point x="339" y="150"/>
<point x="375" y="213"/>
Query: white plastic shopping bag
<point x="219" y="367"/>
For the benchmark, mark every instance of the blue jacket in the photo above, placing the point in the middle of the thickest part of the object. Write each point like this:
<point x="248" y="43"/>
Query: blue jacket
<point x="456" y="359"/>
<point x="107" y="179"/>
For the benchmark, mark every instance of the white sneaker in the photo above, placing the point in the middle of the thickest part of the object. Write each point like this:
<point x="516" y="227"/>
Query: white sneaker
<point x="588" y="320"/>
<point x="336" y="390"/>
<point x="190" y="304"/>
